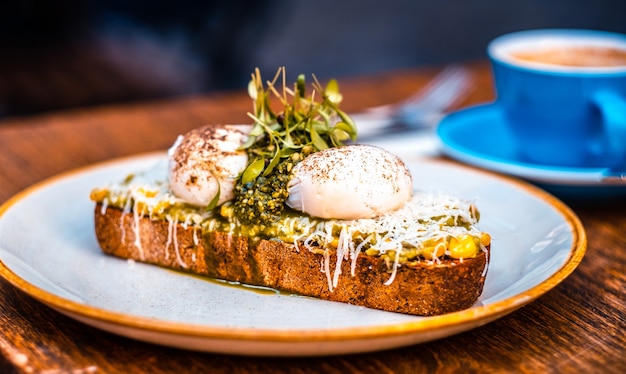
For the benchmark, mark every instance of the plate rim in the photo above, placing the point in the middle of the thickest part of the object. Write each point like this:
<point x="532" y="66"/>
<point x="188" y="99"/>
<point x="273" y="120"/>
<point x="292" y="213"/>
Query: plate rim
<point x="547" y="174"/>
<point x="477" y="314"/>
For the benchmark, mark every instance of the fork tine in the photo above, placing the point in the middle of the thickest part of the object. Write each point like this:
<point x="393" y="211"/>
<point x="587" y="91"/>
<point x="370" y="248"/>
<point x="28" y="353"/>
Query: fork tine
<point x="446" y="89"/>
<point x="449" y="93"/>
<point x="436" y="82"/>
<point x="440" y="89"/>
<point x="420" y="109"/>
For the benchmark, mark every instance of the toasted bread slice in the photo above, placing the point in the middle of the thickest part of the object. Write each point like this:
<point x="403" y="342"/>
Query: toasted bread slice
<point x="422" y="288"/>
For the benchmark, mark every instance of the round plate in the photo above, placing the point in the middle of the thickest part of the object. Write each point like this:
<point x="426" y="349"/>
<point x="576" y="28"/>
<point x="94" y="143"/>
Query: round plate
<point x="478" y="136"/>
<point x="48" y="250"/>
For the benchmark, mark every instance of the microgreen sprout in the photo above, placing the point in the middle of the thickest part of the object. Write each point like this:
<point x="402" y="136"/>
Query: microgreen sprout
<point x="303" y="120"/>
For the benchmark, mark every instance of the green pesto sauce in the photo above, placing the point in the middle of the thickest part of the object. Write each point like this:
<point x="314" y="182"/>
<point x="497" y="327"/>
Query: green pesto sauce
<point x="280" y="229"/>
<point x="262" y="200"/>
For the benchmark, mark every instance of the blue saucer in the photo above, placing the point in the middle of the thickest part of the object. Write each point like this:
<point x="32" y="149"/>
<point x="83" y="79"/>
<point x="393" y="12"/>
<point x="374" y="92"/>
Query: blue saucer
<point x="479" y="137"/>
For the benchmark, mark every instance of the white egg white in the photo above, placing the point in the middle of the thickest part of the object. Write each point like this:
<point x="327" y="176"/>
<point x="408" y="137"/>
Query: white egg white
<point x="206" y="161"/>
<point x="350" y="182"/>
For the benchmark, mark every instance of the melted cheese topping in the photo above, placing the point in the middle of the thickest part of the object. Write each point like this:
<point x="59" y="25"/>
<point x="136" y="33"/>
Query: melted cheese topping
<point x="421" y="230"/>
<point x="399" y="235"/>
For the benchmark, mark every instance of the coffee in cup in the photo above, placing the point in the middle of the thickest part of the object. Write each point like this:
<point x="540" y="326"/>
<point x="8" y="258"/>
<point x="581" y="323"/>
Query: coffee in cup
<point x="591" y="56"/>
<point x="563" y="95"/>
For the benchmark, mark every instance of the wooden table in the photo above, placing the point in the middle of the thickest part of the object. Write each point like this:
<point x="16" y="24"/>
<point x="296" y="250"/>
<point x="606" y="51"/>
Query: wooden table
<point x="577" y="327"/>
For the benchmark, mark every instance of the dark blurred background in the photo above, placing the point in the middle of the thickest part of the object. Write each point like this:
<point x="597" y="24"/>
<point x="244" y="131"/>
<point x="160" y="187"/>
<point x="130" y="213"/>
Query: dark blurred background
<point x="62" y="54"/>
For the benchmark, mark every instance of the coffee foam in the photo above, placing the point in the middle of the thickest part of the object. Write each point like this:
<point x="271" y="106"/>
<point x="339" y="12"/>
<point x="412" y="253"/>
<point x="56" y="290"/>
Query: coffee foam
<point x="504" y="47"/>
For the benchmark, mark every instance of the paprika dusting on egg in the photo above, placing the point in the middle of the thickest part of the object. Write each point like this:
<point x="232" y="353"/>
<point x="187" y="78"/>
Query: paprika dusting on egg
<point x="350" y="182"/>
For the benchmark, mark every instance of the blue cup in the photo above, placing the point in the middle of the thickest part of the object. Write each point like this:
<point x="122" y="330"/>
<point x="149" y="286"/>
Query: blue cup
<point x="563" y="95"/>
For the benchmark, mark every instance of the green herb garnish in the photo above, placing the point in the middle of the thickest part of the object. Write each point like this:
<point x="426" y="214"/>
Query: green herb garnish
<point x="303" y="121"/>
<point x="306" y="123"/>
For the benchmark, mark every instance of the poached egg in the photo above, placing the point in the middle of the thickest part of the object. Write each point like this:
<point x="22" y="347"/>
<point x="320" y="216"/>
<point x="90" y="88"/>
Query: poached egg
<point x="350" y="182"/>
<point x="207" y="161"/>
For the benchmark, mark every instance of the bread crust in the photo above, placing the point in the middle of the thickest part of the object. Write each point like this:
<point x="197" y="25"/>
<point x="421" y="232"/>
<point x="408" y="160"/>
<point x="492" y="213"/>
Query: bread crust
<point x="423" y="289"/>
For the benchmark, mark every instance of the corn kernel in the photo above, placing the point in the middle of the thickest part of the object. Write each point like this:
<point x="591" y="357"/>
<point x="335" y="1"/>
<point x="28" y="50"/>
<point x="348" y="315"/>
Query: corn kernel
<point x="462" y="246"/>
<point x="434" y="249"/>
<point x="98" y="194"/>
<point x="485" y="239"/>
<point x="227" y="211"/>
<point x="147" y="193"/>
<point x="334" y="243"/>
<point x="160" y="207"/>
<point x="372" y="252"/>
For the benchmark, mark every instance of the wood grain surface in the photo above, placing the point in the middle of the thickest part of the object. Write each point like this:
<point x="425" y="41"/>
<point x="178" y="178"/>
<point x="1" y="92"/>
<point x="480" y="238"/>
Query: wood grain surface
<point x="577" y="327"/>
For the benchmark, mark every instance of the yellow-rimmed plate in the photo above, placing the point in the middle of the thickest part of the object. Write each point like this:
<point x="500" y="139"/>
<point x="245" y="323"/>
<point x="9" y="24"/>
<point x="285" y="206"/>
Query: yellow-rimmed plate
<point x="48" y="250"/>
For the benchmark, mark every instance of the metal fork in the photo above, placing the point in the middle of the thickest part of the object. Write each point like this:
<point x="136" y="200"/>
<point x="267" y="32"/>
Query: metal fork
<point x="421" y="110"/>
